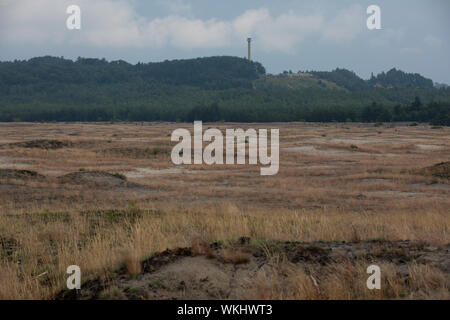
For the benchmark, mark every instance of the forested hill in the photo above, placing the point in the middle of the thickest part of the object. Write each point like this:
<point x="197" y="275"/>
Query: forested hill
<point x="209" y="89"/>
<point x="398" y="78"/>
<point x="392" y="79"/>
<point x="206" y="73"/>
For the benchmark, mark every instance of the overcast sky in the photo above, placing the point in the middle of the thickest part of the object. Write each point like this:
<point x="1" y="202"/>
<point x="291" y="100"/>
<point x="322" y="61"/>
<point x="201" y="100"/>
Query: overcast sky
<point x="288" y="34"/>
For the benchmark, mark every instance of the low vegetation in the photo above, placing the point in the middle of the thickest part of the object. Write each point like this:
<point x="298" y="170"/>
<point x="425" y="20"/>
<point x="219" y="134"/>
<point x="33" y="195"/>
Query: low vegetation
<point x="309" y="232"/>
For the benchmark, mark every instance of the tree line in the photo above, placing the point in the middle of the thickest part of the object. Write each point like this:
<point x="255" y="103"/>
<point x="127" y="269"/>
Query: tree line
<point x="208" y="89"/>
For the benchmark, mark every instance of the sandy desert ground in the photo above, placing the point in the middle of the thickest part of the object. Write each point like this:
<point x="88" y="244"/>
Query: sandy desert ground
<point x="107" y="197"/>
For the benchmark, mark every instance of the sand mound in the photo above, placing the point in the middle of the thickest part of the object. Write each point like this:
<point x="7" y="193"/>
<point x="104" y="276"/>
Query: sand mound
<point x="135" y="153"/>
<point x="98" y="178"/>
<point x="231" y="271"/>
<point x="19" y="174"/>
<point x="440" y="170"/>
<point x="43" y="144"/>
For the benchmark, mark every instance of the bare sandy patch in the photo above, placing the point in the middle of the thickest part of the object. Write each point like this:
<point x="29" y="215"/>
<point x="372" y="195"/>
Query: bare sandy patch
<point x="394" y="193"/>
<point x="430" y="147"/>
<point x="309" y="149"/>
<point x="151" y="172"/>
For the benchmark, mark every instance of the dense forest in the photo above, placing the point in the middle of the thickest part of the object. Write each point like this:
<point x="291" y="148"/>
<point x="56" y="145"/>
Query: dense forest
<point x="210" y="89"/>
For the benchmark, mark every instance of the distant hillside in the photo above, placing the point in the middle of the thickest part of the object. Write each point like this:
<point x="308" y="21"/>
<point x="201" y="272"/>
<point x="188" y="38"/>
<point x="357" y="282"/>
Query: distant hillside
<point x="209" y="89"/>
<point x="344" y="78"/>
<point x="207" y="73"/>
<point x="440" y="85"/>
<point x="392" y="79"/>
<point x="295" y="81"/>
<point x="398" y="78"/>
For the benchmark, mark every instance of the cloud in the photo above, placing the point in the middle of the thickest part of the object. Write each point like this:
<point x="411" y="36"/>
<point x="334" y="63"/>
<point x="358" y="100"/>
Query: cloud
<point x="186" y="33"/>
<point x="346" y="25"/>
<point x="176" y="6"/>
<point x="410" y="50"/>
<point x="433" y="41"/>
<point x="386" y="37"/>
<point x="23" y="22"/>
<point x="282" y="33"/>
<point x="115" y="23"/>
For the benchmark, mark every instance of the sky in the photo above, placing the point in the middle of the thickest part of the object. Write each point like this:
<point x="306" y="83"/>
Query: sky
<point x="287" y="34"/>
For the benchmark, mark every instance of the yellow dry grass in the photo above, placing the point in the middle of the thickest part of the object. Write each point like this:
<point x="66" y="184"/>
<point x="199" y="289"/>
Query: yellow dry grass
<point x="52" y="245"/>
<point x="336" y="193"/>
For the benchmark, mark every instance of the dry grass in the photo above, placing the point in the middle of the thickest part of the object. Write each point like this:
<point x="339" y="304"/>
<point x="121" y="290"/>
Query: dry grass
<point x="112" y="293"/>
<point x="231" y="255"/>
<point x="53" y="245"/>
<point x="347" y="281"/>
<point x="371" y="192"/>
<point x="201" y="247"/>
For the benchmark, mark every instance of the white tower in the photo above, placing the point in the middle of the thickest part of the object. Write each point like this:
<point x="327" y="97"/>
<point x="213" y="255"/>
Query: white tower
<point x="249" y="40"/>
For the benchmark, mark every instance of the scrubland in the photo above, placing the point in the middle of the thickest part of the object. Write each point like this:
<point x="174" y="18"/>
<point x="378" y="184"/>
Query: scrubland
<point x="107" y="198"/>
